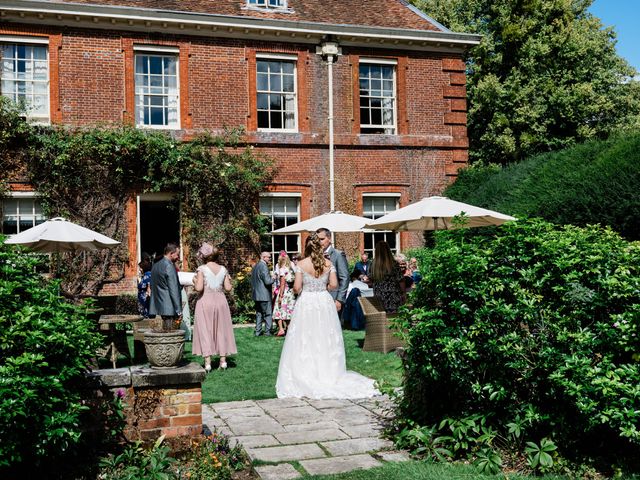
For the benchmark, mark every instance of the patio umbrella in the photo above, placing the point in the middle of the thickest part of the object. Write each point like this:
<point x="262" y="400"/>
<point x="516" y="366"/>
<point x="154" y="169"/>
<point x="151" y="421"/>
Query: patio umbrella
<point x="59" y="235"/>
<point x="437" y="213"/>
<point x="334" y="221"/>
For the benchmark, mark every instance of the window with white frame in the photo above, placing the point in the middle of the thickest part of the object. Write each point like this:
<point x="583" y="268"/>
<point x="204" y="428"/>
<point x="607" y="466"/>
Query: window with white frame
<point x="377" y="97"/>
<point x="24" y="77"/>
<point x="276" y="93"/>
<point x="19" y="213"/>
<point x="156" y="89"/>
<point x="280" y="4"/>
<point x="375" y="206"/>
<point x="282" y="211"/>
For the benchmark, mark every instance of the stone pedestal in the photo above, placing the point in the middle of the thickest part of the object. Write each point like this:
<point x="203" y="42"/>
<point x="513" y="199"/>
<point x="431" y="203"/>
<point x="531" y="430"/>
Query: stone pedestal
<point x="156" y="402"/>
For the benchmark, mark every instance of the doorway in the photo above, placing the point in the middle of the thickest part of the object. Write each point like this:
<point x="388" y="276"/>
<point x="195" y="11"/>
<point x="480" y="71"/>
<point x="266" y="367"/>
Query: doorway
<point x="159" y="225"/>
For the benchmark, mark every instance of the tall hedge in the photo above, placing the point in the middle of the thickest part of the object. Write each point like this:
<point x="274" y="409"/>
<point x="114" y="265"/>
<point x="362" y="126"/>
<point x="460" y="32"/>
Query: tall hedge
<point x="533" y="325"/>
<point x="45" y="347"/>
<point x="596" y="182"/>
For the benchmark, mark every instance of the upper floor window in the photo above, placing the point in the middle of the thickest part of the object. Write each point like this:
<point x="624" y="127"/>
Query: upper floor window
<point x="276" y="94"/>
<point x="377" y="97"/>
<point x="25" y="77"/>
<point x="156" y="90"/>
<point x="267" y="3"/>
<point x="21" y="213"/>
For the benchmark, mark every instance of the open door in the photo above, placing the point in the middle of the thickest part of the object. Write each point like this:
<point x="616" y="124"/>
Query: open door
<point x="159" y="225"/>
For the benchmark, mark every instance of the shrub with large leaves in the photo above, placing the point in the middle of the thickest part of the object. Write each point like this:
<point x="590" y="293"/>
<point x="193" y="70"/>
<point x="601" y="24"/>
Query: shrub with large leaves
<point x="45" y="346"/>
<point x="535" y="326"/>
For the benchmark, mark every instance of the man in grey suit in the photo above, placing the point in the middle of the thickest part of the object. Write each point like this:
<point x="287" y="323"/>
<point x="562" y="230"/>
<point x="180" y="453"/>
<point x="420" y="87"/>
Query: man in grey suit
<point x="261" y="282"/>
<point x="339" y="260"/>
<point x="165" y="288"/>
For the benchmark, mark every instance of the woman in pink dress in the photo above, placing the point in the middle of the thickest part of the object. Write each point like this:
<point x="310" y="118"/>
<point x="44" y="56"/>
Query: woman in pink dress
<point x="213" y="331"/>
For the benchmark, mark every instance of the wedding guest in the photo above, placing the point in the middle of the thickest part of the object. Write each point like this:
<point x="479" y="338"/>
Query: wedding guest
<point x="213" y="331"/>
<point x="364" y="265"/>
<point x="407" y="274"/>
<point x="415" y="271"/>
<point x="387" y="277"/>
<point x="355" y="281"/>
<point x="285" y="299"/>
<point x="144" y="285"/>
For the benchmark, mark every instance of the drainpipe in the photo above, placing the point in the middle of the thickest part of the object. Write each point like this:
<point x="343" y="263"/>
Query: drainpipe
<point x="330" y="50"/>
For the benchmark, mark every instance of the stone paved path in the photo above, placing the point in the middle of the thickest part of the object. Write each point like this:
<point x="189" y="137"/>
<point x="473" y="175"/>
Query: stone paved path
<point x="323" y="436"/>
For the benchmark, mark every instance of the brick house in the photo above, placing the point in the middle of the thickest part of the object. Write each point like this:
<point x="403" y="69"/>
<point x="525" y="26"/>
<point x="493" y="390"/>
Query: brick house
<point x="397" y="81"/>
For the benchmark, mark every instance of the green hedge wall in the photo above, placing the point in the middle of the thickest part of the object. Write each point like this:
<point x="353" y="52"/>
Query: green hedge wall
<point x="596" y="182"/>
<point x="534" y="325"/>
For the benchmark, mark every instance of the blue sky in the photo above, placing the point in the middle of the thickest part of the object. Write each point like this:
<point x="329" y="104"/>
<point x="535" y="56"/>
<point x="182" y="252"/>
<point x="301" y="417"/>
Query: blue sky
<point x="624" y="16"/>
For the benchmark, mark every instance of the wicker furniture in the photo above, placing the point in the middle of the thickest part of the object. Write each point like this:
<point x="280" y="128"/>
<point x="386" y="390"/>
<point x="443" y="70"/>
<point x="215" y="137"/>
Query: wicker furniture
<point x="379" y="336"/>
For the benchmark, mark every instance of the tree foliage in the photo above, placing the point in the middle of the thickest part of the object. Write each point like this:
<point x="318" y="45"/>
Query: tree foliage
<point x="595" y="182"/>
<point x="545" y="75"/>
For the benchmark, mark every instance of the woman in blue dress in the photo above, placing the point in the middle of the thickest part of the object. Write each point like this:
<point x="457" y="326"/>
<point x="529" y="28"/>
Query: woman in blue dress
<point x="144" y="286"/>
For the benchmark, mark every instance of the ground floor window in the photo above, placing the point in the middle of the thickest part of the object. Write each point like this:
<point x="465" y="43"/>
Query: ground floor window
<point x="375" y="206"/>
<point x="20" y="214"/>
<point x="282" y="210"/>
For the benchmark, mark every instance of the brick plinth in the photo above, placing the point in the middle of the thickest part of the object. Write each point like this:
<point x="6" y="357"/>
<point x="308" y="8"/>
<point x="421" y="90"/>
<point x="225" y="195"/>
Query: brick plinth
<point x="156" y="402"/>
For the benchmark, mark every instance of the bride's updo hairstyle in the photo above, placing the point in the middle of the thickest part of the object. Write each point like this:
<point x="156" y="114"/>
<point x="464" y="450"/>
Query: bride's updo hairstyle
<point x="314" y="250"/>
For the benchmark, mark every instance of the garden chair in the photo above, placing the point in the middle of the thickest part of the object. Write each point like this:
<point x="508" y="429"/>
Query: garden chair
<point x="379" y="336"/>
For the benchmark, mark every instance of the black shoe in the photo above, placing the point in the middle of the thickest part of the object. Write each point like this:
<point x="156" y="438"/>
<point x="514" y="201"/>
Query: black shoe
<point x="257" y="334"/>
<point x="268" y="334"/>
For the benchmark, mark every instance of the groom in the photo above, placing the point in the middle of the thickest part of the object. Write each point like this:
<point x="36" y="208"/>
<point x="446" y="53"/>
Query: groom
<point x="339" y="260"/>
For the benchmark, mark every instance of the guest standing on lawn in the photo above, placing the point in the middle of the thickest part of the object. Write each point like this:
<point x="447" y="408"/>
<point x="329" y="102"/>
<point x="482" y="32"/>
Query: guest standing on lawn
<point x="387" y="277"/>
<point x="144" y="285"/>
<point x="285" y="300"/>
<point x="165" y="289"/>
<point x="261" y="282"/>
<point x="213" y="331"/>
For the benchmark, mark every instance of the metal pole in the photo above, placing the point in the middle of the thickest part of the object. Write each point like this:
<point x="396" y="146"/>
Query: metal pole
<point x="331" y="169"/>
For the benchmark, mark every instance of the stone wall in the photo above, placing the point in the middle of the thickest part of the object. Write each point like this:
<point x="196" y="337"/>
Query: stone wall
<point x="156" y="402"/>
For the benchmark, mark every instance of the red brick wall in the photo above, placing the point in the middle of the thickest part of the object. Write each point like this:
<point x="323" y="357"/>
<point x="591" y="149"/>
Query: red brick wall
<point x="92" y="82"/>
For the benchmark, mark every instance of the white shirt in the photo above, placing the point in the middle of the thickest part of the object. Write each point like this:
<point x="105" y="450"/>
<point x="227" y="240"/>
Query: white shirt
<point x="365" y="290"/>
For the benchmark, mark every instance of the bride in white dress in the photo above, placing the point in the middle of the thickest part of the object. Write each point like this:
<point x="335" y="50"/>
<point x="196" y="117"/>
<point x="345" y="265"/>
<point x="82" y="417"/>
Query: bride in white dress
<point x="313" y="363"/>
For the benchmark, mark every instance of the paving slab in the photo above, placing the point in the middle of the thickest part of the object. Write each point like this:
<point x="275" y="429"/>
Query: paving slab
<point x="359" y="431"/>
<point x="283" y="471"/>
<point x="253" y="411"/>
<point x="297" y="415"/>
<point x="252" y="441"/>
<point x="353" y="415"/>
<point x="397" y="456"/>
<point x="286" y="453"/>
<point x="280" y="403"/>
<point x="310" y="436"/>
<point x="254" y="426"/>
<point x="330" y="403"/>
<point x="308" y="427"/>
<point x="326" y="466"/>
<point x="356" y="445"/>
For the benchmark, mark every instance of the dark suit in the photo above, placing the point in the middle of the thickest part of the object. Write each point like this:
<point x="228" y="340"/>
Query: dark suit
<point x="165" y="290"/>
<point x="363" y="267"/>
<point x="261" y="283"/>
<point x="339" y="260"/>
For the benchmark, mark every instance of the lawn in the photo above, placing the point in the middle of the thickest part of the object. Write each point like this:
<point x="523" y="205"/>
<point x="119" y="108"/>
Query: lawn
<point x="252" y="372"/>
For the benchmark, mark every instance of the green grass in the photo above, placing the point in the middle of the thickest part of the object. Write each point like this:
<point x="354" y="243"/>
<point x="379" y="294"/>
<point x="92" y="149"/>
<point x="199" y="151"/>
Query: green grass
<point x="417" y="470"/>
<point x="252" y="372"/>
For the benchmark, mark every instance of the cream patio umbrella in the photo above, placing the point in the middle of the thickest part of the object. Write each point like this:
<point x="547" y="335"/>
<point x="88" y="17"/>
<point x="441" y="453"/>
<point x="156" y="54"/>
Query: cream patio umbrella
<point x="437" y="213"/>
<point x="335" y="221"/>
<point x="59" y="235"/>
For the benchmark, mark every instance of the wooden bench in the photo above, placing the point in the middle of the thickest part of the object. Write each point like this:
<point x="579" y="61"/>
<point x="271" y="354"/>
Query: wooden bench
<point x="379" y="336"/>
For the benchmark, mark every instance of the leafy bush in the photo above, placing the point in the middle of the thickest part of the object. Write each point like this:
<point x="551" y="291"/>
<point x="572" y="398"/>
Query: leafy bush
<point x="596" y="182"/>
<point x="45" y="347"/>
<point x="139" y="463"/>
<point x="534" y="328"/>
<point x="242" y="304"/>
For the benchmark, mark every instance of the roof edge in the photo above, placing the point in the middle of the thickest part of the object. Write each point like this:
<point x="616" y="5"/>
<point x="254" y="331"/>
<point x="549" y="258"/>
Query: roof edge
<point x="426" y="17"/>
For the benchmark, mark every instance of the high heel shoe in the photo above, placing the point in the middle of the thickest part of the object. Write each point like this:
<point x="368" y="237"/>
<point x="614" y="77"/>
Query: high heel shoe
<point x="280" y="333"/>
<point x="207" y="368"/>
<point x="223" y="365"/>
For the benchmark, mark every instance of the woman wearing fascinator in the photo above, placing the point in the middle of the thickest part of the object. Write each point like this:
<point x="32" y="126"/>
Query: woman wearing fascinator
<point x="285" y="298"/>
<point x="213" y="331"/>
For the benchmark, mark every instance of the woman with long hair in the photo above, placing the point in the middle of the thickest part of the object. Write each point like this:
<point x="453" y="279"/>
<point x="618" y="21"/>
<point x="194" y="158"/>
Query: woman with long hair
<point x="213" y="330"/>
<point x="387" y="278"/>
<point x="313" y="363"/>
<point x="285" y="299"/>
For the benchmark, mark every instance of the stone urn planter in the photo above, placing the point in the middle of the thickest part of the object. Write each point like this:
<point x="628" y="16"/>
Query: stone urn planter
<point x="164" y="349"/>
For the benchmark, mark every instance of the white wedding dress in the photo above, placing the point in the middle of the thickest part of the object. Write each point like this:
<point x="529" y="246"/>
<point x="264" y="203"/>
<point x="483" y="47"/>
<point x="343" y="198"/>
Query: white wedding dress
<point x="313" y="363"/>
